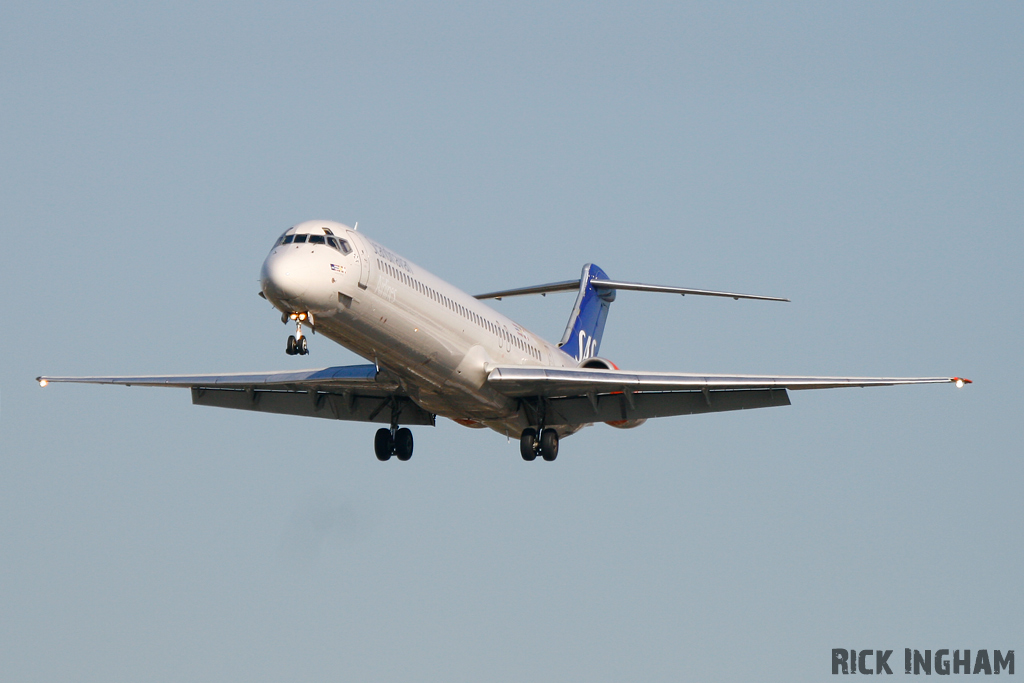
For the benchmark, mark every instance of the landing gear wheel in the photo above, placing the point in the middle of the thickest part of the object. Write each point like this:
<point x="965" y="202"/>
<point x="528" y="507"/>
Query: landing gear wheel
<point x="528" y="444"/>
<point x="300" y="346"/>
<point x="549" y="444"/>
<point x="383" y="444"/>
<point x="403" y="444"/>
<point x="290" y="348"/>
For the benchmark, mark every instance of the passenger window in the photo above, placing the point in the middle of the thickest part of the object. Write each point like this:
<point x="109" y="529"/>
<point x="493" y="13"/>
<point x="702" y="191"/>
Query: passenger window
<point x="317" y="239"/>
<point x="300" y="238"/>
<point x="345" y="249"/>
<point x="288" y="239"/>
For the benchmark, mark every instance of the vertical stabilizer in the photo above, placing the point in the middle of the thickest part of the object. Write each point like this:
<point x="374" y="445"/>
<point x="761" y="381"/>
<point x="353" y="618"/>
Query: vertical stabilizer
<point x="582" y="337"/>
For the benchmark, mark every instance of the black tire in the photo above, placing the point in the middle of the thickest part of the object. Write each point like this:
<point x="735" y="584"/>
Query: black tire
<point x="290" y="348"/>
<point x="549" y="444"/>
<point x="383" y="445"/>
<point x="528" y="444"/>
<point x="403" y="444"/>
<point x="301" y="344"/>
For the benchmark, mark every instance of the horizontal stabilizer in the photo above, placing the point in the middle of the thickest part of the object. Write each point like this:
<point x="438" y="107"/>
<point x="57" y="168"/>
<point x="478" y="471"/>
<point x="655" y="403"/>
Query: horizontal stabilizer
<point x="567" y="286"/>
<point x="640" y="287"/>
<point x="600" y="283"/>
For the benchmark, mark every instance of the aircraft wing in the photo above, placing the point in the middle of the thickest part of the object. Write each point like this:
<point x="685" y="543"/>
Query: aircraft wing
<point x="354" y="392"/>
<point x="582" y="395"/>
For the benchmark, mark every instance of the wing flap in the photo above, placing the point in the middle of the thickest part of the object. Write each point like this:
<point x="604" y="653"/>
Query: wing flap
<point x="574" y="410"/>
<point x="351" y="406"/>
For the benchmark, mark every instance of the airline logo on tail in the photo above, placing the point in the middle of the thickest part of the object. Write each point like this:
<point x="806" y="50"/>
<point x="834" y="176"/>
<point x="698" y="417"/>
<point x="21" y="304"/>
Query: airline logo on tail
<point x="588" y="346"/>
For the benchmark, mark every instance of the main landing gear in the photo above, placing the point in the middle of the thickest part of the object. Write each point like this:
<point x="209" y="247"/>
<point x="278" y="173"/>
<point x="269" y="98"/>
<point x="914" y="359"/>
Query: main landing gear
<point x="546" y="446"/>
<point x="394" y="441"/>
<point x="296" y="342"/>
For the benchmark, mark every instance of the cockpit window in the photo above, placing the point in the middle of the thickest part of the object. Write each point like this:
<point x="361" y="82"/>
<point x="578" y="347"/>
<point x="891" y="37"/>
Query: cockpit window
<point x="329" y="240"/>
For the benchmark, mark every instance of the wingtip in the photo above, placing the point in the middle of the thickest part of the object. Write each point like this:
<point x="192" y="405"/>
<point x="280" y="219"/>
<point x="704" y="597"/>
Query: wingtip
<point x="960" y="381"/>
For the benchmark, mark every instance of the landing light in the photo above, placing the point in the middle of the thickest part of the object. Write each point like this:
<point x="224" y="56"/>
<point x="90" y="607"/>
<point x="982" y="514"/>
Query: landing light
<point x="960" y="382"/>
<point x="43" y="382"/>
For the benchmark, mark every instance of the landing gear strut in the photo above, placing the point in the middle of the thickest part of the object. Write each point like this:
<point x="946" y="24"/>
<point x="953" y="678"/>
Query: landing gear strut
<point x="546" y="446"/>
<point x="542" y="441"/>
<point x="394" y="441"/>
<point x="296" y="342"/>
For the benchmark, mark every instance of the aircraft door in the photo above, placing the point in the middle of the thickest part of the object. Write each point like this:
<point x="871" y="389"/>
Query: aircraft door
<point x="364" y="257"/>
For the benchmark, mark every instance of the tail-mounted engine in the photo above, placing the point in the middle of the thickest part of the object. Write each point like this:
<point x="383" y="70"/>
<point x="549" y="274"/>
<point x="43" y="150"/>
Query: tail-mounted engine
<point x="598" y="364"/>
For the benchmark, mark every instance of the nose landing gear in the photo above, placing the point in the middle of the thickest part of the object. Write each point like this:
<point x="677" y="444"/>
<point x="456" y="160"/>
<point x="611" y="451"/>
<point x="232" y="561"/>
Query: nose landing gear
<point x="296" y="342"/>
<point x="296" y="346"/>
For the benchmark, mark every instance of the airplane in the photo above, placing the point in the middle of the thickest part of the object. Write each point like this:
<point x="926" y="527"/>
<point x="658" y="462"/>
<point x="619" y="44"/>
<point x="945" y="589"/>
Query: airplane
<point x="436" y="350"/>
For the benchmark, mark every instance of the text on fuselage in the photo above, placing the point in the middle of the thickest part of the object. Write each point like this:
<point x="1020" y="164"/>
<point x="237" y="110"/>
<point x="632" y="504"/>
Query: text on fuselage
<point x="390" y="257"/>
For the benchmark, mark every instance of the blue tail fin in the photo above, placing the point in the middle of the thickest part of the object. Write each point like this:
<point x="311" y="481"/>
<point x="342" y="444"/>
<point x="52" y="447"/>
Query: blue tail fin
<point x="582" y="337"/>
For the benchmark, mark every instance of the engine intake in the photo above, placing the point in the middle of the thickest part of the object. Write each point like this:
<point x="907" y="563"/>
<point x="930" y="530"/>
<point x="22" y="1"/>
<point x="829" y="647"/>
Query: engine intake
<point x="598" y="363"/>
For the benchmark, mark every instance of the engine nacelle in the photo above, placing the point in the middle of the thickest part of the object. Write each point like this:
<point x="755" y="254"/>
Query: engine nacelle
<point x="468" y="422"/>
<point x="626" y="424"/>
<point x="598" y="364"/>
<point x="605" y="364"/>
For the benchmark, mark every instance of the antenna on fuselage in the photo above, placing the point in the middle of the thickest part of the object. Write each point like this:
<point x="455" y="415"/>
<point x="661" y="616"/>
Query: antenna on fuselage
<point x="356" y="226"/>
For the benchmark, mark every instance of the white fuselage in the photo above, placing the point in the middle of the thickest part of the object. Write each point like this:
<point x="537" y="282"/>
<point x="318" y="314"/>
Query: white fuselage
<point x="437" y="341"/>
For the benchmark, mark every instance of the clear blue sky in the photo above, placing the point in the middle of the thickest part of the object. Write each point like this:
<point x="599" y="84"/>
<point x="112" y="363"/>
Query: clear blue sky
<point x="863" y="159"/>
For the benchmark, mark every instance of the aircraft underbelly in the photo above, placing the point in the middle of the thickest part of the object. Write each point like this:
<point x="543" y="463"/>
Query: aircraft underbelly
<point x="441" y="371"/>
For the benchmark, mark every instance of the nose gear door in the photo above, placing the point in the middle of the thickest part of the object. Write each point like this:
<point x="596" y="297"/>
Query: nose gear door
<point x="362" y="255"/>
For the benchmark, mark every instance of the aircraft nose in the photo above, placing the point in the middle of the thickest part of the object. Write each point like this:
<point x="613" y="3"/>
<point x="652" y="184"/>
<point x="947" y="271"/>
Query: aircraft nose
<point x="284" y="277"/>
